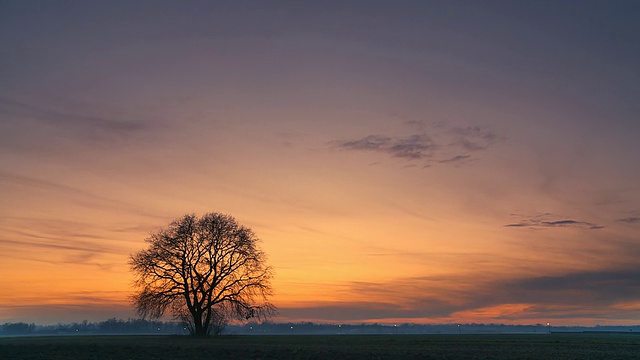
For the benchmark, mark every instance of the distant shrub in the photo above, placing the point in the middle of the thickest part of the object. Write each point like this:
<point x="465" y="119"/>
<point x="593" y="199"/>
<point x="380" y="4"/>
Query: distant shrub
<point x="20" y="328"/>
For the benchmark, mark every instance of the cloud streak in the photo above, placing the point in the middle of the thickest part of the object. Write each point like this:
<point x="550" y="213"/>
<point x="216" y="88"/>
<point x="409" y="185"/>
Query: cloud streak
<point x="573" y="295"/>
<point x="87" y="126"/>
<point x="95" y="306"/>
<point x="438" y="145"/>
<point x="542" y="221"/>
<point x="78" y="196"/>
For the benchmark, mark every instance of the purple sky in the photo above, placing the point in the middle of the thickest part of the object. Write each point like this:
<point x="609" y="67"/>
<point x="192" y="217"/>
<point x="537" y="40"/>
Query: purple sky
<point x="418" y="161"/>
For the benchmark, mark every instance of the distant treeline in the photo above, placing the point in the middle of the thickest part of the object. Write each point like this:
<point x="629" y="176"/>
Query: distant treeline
<point x="110" y="326"/>
<point x="308" y="328"/>
<point x="139" y="326"/>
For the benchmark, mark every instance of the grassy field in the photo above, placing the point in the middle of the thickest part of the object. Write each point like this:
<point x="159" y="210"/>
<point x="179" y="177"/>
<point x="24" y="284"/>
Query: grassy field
<point x="554" y="346"/>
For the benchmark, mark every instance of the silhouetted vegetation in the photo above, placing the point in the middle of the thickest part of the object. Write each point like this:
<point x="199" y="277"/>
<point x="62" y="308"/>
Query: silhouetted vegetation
<point x="205" y="271"/>
<point x="147" y="327"/>
<point x="109" y="326"/>
<point x="19" y="328"/>
<point x="309" y="328"/>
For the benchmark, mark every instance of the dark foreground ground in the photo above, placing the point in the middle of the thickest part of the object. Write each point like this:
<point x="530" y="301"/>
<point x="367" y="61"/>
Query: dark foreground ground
<point x="554" y="346"/>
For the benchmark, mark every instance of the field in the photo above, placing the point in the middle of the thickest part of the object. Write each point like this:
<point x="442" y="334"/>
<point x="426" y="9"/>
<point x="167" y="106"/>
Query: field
<point x="554" y="346"/>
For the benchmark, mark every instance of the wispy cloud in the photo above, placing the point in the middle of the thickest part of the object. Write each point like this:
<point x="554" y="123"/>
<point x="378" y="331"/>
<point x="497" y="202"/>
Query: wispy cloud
<point x="417" y="146"/>
<point x="59" y="241"/>
<point x="441" y="144"/>
<point x="73" y="194"/>
<point x="73" y="245"/>
<point x="473" y="138"/>
<point x="88" y="126"/>
<point x="66" y="238"/>
<point x="547" y="220"/>
<point x="93" y="306"/>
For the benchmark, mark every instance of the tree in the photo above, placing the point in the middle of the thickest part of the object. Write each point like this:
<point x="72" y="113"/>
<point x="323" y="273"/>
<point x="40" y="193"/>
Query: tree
<point x="204" y="271"/>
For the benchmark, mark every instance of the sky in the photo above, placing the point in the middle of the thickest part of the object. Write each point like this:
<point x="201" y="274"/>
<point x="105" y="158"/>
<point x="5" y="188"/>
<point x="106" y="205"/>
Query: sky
<point x="401" y="161"/>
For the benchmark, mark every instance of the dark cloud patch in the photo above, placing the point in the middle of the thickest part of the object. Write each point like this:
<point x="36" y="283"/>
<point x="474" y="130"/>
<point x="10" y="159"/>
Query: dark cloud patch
<point x="417" y="146"/>
<point x="473" y="138"/>
<point x="631" y="220"/>
<point x="456" y="159"/>
<point x="430" y="145"/>
<point x="598" y="288"/>
<point x="595" y="287"/>
<point x="543" y="221"/>
<point x="584" y="294"/>
<point x="517" y="225"/>
<point x="411" y="147"/>
<point x="371" y="142"/>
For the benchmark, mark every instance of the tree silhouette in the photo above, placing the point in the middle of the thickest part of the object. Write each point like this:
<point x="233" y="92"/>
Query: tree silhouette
<point x="205" y="271"/>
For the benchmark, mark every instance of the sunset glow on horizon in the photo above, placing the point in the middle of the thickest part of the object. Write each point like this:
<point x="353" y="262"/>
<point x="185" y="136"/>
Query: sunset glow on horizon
<point x="402" y="162"/>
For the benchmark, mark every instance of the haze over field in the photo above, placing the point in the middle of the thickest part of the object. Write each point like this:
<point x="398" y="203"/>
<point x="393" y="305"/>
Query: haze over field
<point x="402" y="161"/>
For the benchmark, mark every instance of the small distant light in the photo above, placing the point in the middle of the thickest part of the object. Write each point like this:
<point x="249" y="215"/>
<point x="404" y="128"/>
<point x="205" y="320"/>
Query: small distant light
<point x="158" y="329"/>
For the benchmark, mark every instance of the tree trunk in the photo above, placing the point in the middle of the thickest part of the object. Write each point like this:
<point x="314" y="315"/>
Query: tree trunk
<point x="200" y="329"/>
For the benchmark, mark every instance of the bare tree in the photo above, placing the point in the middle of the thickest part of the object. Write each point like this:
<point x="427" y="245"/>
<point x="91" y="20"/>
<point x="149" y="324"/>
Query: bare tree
<point x="205" y="271"/>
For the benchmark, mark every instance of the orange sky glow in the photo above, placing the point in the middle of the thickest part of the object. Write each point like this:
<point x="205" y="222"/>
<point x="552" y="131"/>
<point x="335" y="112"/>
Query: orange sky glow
<point x="423" y="163"/>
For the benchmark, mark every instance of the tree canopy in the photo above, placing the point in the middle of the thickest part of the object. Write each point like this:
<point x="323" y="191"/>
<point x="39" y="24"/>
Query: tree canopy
<point x="204" y="271"/>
